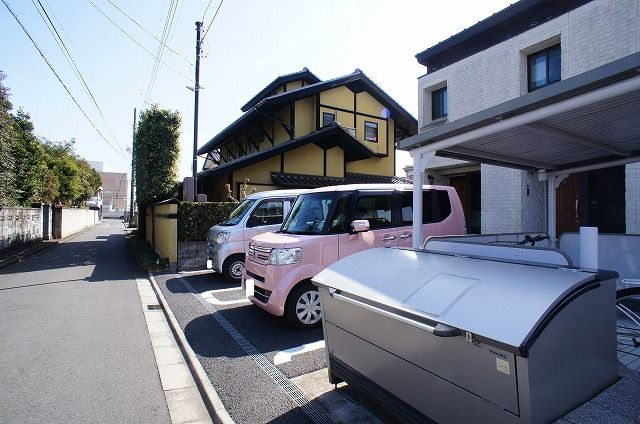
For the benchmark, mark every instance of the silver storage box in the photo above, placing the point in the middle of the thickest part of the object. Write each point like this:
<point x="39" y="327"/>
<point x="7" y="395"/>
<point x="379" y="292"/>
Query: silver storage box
<point x="463" y="339"/>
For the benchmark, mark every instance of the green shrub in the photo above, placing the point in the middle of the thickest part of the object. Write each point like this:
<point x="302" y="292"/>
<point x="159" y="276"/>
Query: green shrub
<point x="195" y="219"/>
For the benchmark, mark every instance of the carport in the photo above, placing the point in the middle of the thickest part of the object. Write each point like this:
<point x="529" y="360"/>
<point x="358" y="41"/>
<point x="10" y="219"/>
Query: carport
<point x="586" y="122"/>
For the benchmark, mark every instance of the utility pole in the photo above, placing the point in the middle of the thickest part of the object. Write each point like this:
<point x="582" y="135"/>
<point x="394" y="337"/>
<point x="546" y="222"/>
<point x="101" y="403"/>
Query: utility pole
<point x="133" y="164"/>
<point x="195" y="112"/>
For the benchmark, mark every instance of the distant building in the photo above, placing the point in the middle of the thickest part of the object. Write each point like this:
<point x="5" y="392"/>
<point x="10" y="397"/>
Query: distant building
<point x="100" y="166"/>
<point x="115" y="189"/>
<point x="301" y="132"/>
<point x="115" y="186"/>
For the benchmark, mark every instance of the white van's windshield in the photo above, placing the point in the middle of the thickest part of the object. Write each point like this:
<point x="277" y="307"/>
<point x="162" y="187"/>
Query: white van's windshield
<point x="309" y="214"/>
<point x="241" y="210"/>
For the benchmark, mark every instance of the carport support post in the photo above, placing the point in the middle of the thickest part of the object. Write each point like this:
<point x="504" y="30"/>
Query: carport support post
<point x="420" y="160"/>
<point x="553" y="181"/>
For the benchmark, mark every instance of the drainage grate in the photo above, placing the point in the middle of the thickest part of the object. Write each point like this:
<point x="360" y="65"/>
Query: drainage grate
<point x="316" y="414"/>
<point x="153" y="307"/>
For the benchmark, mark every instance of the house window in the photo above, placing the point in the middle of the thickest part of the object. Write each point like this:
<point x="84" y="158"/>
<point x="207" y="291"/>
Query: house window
<point x="439" y="102"/>
<point x="543" y="67"/>
<point x="328" y="118"/>
<point x="371" y="131"/>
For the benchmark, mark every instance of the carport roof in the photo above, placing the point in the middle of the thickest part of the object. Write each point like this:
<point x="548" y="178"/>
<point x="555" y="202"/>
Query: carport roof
<point x="590" y="119"/>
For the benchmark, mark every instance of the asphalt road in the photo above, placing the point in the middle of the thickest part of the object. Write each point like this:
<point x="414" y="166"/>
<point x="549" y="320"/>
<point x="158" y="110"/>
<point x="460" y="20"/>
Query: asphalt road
<point x="74" y="347"/>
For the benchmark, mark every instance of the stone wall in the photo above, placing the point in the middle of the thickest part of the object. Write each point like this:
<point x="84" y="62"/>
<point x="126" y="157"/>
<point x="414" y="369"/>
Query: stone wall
<point x="192" y="255"/>
<point x="19" y="226"/>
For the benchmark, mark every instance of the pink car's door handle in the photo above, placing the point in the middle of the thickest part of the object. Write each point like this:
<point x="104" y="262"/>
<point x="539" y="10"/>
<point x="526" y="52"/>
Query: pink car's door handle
<point x="388" y="238"/>
<point x="405" y="236"/>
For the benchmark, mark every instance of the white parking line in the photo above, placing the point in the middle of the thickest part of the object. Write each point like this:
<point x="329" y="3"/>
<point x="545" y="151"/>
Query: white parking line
<point x="224" y="290"/>
<point x="197" y="272"/>
<point x="209" y="297"/>
<point x="285" y="355"/>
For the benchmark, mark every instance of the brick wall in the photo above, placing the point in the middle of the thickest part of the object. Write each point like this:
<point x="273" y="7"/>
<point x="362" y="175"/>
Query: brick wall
<point x="590" y="36"/>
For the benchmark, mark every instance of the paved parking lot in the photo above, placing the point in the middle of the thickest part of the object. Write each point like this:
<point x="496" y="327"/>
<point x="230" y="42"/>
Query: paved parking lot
<point x="262" y="369"/>
<point x="265" y="371"/>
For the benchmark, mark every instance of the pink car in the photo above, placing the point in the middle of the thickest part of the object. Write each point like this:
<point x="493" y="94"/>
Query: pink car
<point x="328" y="224"/>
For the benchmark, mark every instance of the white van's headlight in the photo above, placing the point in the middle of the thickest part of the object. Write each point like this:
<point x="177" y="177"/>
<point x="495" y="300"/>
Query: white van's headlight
<point x="222" y="237"/>
<point x="285" y="256"/>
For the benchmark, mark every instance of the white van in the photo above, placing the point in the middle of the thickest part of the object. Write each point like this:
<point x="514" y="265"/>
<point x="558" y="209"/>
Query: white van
<point x="258" y="213"/>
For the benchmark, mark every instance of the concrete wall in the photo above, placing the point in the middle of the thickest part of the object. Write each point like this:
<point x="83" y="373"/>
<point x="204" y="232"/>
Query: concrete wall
<point x="19" y="225"/>
<point x="590" y="36"/>
<point x="74" y="220"/>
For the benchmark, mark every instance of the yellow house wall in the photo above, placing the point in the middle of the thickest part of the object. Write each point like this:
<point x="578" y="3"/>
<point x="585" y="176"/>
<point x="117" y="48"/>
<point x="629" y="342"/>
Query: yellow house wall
<point x="307" y="159"/>
<point x="366" y="103"/>
<point x="259" y="173"/>
<point x="280" y="134"/>
<point x="305" y="116"/>
<point x="340" y="97"/>
<point x="294" y="85"/>
<point x="378" y="166"/>
<point x="215" y="189"/>
<point x="335" y="162"/>
<point x="381" y="145"/>
<point x="166" y="232"/>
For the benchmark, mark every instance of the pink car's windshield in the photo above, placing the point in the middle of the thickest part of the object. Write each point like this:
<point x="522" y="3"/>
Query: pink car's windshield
<point x="310" y="213"/>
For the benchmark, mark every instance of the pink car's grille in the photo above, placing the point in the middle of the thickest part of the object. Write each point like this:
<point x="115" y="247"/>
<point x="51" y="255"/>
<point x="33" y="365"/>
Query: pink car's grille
<point x="259" y="254"/>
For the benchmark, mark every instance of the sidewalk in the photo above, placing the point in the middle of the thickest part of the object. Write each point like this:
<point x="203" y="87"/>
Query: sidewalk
<point x="75" y="344"/>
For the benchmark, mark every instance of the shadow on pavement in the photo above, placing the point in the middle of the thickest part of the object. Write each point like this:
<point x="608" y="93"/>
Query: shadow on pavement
<point x="109" y="255"/>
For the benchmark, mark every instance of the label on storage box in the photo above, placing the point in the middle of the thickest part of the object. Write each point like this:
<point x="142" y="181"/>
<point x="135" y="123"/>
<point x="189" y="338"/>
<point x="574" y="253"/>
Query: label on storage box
<point x="502" y="365"/>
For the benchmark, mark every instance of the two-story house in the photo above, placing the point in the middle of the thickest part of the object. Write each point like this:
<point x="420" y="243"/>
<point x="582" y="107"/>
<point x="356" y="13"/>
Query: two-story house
<point x="301" y="132"/>
<point x="540" y="88"/>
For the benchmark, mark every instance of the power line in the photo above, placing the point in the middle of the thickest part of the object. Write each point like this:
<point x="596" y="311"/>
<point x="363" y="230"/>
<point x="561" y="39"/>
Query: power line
<point x="60" y="80"/>
<point x="206" y="9"/>
<point x="214" y="18"/>
<point x="139" y="45"/>
<point x="149" y="32"/>
<point x="171" y="12"/>
<point x="74" y="67"/>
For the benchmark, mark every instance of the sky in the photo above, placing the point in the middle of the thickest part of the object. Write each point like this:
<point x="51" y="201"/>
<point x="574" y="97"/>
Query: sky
<point x="248" y="45"/>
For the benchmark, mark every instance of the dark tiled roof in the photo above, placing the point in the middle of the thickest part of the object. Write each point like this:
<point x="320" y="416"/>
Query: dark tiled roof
<point x="357" y="81"/>
<point x="305" y="75"/>
<point x="507" y="23"/>
<point x="313" y="181"/>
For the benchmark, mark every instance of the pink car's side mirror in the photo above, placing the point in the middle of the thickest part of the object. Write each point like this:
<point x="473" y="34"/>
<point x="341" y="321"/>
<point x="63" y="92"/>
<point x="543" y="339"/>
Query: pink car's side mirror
<point x="359" y="225"/>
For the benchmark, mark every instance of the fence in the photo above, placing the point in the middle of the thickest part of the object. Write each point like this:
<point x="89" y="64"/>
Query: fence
<point x="177" y="230"/>
<point x="162" y="229"/>
<point x="20" y="226"/>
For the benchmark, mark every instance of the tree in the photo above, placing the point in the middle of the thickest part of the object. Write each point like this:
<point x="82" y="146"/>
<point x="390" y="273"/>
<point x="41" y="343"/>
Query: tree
<point x="30" y="167"/>
<point x="7" y="138"/>
<point x="157" y="149"/>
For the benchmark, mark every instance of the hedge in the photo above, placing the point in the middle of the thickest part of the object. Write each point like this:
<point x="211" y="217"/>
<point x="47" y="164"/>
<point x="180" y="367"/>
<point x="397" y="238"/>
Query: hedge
<point x="195" y="219"/>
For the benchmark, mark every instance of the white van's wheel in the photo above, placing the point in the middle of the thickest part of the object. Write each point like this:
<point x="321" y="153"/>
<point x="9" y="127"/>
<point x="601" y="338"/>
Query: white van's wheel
<point x="303" y="309"/>
<point x="233" y="267"/>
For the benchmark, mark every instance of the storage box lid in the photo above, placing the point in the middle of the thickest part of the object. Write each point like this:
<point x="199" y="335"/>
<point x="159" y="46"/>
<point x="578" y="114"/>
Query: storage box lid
<point x="501" y="301"/>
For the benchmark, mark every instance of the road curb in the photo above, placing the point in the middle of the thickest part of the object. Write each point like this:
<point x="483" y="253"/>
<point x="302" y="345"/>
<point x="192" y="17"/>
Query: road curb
<point x="211" y="399"/>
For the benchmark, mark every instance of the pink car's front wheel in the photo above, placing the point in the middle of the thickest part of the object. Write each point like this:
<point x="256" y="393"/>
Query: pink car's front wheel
<point x="303" y="309"/>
